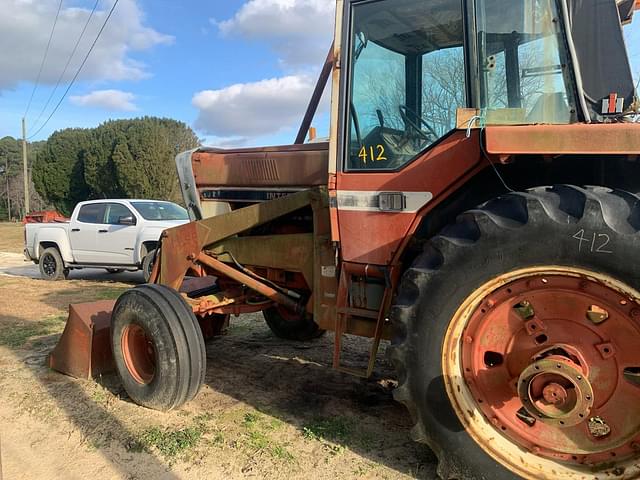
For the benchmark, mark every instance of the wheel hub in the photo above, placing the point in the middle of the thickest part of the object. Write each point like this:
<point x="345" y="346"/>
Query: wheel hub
<point x="555" y="394"/>
<point x="556" y="391"/>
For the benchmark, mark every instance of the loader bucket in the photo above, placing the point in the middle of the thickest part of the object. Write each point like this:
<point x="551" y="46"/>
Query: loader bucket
<point x="84" y="349"/>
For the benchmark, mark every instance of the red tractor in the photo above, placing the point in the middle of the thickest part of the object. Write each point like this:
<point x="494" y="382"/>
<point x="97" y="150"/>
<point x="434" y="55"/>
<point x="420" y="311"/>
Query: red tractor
<point x="475" y="204"/>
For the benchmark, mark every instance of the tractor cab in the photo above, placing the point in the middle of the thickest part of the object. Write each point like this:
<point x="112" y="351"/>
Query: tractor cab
<point x="411" y="65"/>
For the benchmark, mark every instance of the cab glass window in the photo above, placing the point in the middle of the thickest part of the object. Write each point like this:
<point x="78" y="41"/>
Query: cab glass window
<point x="91" y="213"/>
<point x="407" y="79"/>
<point x="525" y="75"/>
<point x="160" y="211"/>
<point x="115" y="211"/>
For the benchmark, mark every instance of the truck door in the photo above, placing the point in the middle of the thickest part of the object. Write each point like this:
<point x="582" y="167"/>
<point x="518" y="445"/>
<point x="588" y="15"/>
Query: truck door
<point x="403" y="82"/>
<point x="84" y="231"/>
<point x="117" y="237"/>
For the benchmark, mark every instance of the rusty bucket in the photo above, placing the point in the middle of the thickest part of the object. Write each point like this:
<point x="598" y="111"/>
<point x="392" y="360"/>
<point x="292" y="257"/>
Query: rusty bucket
<point x="84" y="349"/>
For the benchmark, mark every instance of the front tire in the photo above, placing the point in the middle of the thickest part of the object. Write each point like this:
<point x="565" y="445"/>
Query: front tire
<point x="52" y="266"/>
<point x="158" y="347"/>
<point x="579" y="245"/>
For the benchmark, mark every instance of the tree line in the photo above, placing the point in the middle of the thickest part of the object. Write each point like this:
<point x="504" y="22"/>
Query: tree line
<point x="118" y="159"/>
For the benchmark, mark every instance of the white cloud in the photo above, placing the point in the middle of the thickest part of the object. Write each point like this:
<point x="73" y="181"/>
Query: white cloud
<point x="253" y="109"/>
<point x="632" y="36"/>
<point x="25" y="27"/>
<point x="300" y="31"/>
<point x="107" y="99"/>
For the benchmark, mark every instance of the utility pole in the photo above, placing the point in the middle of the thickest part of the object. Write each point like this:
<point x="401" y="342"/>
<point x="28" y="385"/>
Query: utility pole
<point x="6" y="175"/>
<point x="25" y="168"/>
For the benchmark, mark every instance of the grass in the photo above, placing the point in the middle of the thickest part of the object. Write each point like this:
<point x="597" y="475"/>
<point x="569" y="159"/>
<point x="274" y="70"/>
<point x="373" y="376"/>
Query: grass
<point x="109" y="293"/>
<point x="173" y="443"/>
<point x="332" y="432"/>
<point x="258" y="428"/>
<point x="11" y="237"/>
<point x="335" y="429"/>
<point x="168" y="442"/>
<point x="17" y="335"/>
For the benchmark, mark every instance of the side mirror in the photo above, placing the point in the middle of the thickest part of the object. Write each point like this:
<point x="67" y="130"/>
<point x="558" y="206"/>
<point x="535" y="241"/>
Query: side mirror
<point x="128" y="220"/>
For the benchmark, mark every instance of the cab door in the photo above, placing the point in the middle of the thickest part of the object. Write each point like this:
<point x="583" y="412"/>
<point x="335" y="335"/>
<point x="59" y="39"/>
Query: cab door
<point x="403" y="81"/>
<point x="83" y="232"/>
<point x="117" y="237"/>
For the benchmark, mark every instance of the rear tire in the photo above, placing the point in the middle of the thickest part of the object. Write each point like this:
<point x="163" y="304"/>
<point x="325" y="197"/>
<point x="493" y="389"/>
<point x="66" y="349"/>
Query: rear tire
<point x="158" y="347"/>
<point x="543" y="227"/>
<point x="291" y="326"/>
<point x="52" y="265"/>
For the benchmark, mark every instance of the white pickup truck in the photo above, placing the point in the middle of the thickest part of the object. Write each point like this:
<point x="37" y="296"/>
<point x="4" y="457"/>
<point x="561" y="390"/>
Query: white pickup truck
<point x="115" y="235"/>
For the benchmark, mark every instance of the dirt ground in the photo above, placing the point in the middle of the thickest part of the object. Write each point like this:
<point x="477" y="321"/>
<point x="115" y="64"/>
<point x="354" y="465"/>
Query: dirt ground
<point x="269" y="409"/>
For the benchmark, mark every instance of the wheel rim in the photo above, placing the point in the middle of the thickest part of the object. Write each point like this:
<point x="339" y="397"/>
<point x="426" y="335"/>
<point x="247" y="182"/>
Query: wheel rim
<point x="49" y="265"/>
<point x="549" y="357"/>
<point x="139" y="353"/>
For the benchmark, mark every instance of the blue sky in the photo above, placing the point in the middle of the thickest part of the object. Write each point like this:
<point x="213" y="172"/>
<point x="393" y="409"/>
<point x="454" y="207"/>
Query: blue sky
<point x="237" y="71"/>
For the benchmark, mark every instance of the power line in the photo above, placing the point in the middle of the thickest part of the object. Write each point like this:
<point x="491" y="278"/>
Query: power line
<point x="78" y="71"/>
<point x="44" y="59"/>
<point x="55" y="89"/>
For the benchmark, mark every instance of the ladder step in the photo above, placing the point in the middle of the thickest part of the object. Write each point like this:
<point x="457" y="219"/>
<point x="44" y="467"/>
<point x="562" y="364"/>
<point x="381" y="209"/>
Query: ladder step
<point x="359" y="312"/>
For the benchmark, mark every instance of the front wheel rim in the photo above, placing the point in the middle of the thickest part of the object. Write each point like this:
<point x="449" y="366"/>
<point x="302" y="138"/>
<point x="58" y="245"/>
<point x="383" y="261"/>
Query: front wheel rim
<point x="138" y="351"/>
<point x="540" y="367"/>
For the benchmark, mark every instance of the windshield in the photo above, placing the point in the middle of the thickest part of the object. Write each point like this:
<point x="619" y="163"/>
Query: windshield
<point x="160" y="211"/>
<point x="524" y="66"/>
<point x="407" y="79"/>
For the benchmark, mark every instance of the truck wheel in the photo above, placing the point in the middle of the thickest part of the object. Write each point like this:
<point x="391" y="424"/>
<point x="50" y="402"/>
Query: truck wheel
<point x="158" y="347"/>
<point x="147" y="265"/>
<point x="291" y="326"/>
<point x="52" y="266"/>
<point x="516" y="338"/>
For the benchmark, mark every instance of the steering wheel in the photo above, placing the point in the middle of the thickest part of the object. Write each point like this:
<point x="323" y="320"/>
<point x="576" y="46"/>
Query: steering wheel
<point x="356" y="122"/>
<point x="429" y="136"/>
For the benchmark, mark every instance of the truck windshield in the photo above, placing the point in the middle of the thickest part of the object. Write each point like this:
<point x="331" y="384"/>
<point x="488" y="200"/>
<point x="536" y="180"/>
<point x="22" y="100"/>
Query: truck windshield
<point x="524" y="67"/>
<point x="160" y="211"/>
<point x="407" y="79"/>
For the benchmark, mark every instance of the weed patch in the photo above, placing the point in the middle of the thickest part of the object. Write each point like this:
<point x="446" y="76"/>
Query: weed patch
<point x="336" y="429"/>
<point x="331" y="432"/>
<point x="110" y="293"/>
<point x="168" y="442"/>
<point x="257" y="436"/>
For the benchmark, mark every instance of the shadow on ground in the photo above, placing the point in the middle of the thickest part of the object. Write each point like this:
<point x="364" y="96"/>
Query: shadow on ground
<point x="96" y="424"/>
<point x="294" y="382"/>
<point x="289" y="381"/>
